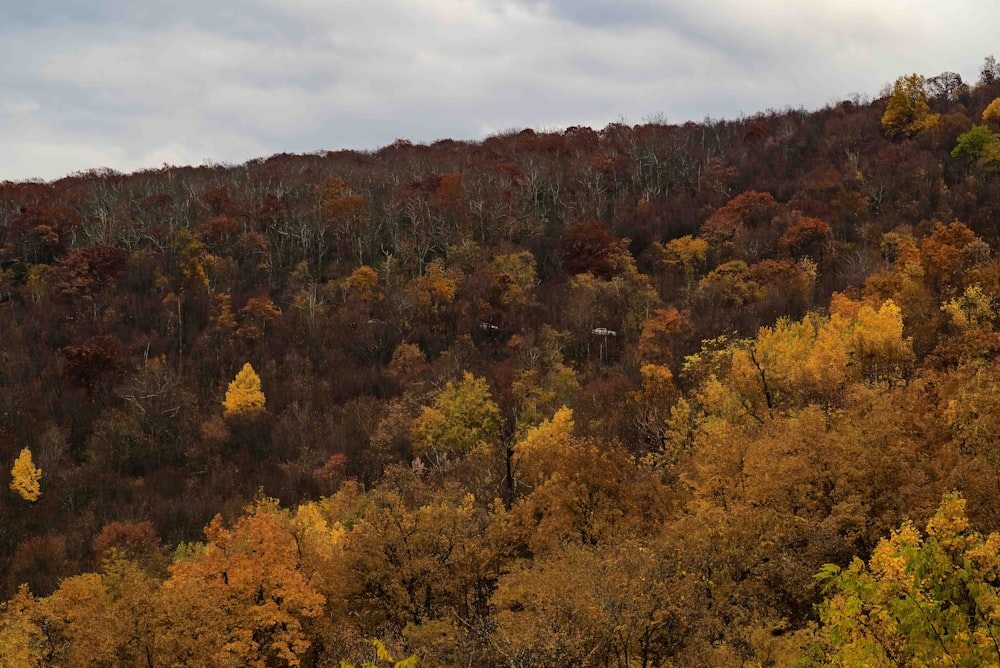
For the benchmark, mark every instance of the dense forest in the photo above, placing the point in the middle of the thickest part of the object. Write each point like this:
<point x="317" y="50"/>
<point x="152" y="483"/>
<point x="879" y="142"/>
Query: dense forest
<point x="711" y="394"/>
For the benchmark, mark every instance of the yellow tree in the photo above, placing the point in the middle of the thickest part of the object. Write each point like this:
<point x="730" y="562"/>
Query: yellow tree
<point x="992" y="112"/>
<point x="462" y="417"/>
<point x="907" y="112"/>
<point x="103" y="619"/>
<point x="25" y="476"/>
<point x="687" y="256"/>
<point x="21" y="640"/>
<point x="922" y="600"/>
<point x="514" y="280"/>
<point x="244" y="394"/>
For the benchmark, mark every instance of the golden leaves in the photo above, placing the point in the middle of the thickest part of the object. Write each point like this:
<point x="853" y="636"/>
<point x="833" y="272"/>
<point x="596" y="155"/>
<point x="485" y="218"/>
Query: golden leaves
<point x="907" y="112"/>
<point x="245" y="592"/>
<point x="25" y="477"/>
<point x="462" y="417"/>
<point x="244" y="394"/>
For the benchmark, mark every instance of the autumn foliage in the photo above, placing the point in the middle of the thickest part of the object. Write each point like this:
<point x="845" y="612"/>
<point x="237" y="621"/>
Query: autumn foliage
<point x="25" y="477"/>
<point x="244" y="394"/>
<point x="593" y="397"/>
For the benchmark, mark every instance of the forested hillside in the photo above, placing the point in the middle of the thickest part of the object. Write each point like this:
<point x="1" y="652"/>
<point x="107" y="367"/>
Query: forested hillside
<point x="716" y="394"/>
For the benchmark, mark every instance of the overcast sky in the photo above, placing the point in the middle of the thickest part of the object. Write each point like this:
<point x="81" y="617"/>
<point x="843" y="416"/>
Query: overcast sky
<point x="130" y="84"/>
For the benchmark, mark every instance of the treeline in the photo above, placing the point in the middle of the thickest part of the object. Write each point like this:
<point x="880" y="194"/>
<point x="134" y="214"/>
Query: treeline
<point x="582" y="398"/>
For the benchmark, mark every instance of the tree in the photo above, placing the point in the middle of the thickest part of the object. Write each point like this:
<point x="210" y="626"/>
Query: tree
<point x="907" y="112"/>
<point x="20" y="635"/>
<point x="947" y="86"/>
<point x="514" y="280"/>
<point x="244" y="394"/>
<point x="591" y="247"/>
<point x="241" y="599"/>
<point x="407" y="567"/>
<point x="973" y="144"/>
<point x="99" y="358"/>
<point x="25" y="476"/>
<point x="992" y="112"/>
<point x="103" y="619"/>
<point x="878" y="344"/>
<point x="462" y="417"/>
<point x="624" y="604"/>
<point x="687" y="256"/>
<point x="808" y="237"/>
<point x="989" y="73"/>
<point x="920" y="600"/>
<point x="661" y="333"/>
<point x="741" y="225"/>
<point x="258" y="313"/>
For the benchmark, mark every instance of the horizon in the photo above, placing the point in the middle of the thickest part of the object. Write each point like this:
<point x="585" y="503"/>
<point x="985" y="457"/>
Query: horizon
<point x="134" y="86"/>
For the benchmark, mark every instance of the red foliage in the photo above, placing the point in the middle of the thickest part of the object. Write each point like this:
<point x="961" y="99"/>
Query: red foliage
<point x="134" y="539"/>
<point x="805" y="237"/>
<point x="748" y="209"/>
<point x="84" y="272"/>
<point x="591" y="247"/>
<point x="42" y="233"/>
<point x="98" y="357"/>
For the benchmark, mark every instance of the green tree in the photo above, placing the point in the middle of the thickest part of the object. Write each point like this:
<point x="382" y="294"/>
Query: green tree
<point x="973" y="144"/>
<point x="922" y="600"/>
<point x="461" y="417"/>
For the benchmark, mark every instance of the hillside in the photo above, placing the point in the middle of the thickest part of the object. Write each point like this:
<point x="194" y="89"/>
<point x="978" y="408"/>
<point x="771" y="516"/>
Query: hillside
<point x="593" y="397"/>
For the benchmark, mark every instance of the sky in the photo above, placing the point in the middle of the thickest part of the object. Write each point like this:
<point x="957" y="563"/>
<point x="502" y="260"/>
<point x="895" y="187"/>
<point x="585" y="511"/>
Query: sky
<point x="133" y="84"/>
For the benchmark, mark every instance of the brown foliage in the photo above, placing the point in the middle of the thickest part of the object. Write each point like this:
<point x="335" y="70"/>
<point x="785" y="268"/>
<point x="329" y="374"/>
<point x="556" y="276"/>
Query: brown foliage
<point x="87" y="365"/>
<point x="591" y="247"/>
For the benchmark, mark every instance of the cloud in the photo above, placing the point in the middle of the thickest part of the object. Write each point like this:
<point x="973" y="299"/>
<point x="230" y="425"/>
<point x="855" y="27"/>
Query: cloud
<point x="138" y="83"/>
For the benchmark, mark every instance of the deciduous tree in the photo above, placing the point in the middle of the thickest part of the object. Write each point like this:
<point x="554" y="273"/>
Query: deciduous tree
<point x="25" y="477"/>
<point x="462" y="417"/>
<point x="244" y="394"/>
<point x="922" y="600"/>
<point x="907" y="112"/>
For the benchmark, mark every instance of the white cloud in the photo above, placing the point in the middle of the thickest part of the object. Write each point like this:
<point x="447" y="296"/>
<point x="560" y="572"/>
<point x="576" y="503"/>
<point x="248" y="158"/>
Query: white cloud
<point x="136" y="84"/>
<point x="19" y="108"/>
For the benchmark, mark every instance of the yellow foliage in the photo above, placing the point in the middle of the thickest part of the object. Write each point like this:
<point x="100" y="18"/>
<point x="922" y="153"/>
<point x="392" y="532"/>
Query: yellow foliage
<point x="889" y="558"/>
<point x="363" y="283"/>
<point x="656" y="378"/>
<point x="515" y="278"/>
<point x="21" y="638"/>
<point x="244" y="394"/>
<point x="462" y="417"/>
<point x="907" y="112"/>
<point x="538" y="391"/>
<point x="437" y="287"/>
<point x="950" y="523"/>
<point x="990" y="158"/>
<point x="538" y="453"/>
<point x="785" y="349"/>
<point x="246" y="595"/>
<point x="973" y="309"/>
<point x="687" y="253"/>
<point x="878" y="341"/>
<point x="25" y="476"/>
<point x="903" y="610"/>
<point x="826" y="365"/>
<point x="992" y="112"/>
<point x="795" y="363"/>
